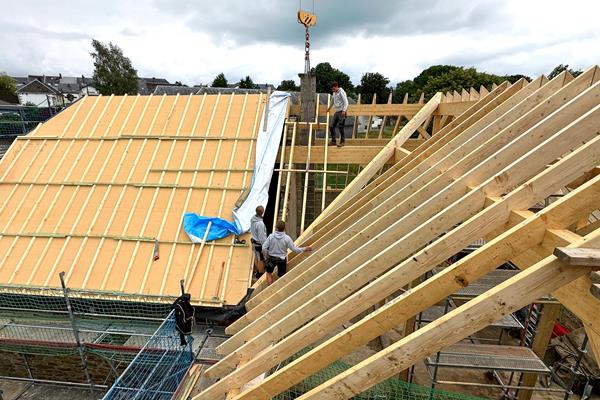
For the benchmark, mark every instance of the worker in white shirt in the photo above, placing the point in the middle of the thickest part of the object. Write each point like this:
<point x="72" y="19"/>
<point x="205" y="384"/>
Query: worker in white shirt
<point x="340" y="102"/>
<point x="275" y="249"/>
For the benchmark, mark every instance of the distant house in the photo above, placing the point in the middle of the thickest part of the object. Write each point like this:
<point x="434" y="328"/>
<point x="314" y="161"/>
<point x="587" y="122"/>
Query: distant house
<point x="40" y="94"/>
<point x="70" y="88"/>
<point x="149" y="85"/>
<point x="261" y="86"/>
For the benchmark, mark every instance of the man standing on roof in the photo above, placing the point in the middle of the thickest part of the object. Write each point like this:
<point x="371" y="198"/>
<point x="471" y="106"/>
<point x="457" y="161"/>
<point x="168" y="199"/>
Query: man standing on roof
<point x="340" y="102"/>
<point x="259" y="235"/>
<point x="275" y="249"/>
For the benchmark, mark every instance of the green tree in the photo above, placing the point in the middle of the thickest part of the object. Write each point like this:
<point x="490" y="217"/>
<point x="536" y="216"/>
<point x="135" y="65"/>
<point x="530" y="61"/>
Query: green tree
<point x="8" y="89"/>
<point x="444" y="78"/>
<point x="513" y="78"/>
<point x="113" y="72"/>
<point x="247" y="83"/>
<point x="288" y="86"/>
<point x="560" y="68"/>
<point x="373" y="83"/>
<point x="220" y="81"/>
<point x="458" y="79"/>
<point x="325" y="74"/>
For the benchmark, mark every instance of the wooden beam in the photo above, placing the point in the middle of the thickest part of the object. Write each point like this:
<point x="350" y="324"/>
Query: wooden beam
<point x="391" y="198"/>
<point x="520" y="290"/>
<point x="464" y="208"/>
<point x="349" y="154"/>
<point x="550" y="313"/>
<point x="578" y="256"/>
<point x="300" y="297"/>
<point x="383" y="156"/>
<point x="427" y="258"/>
<point x="419" y="155"/>
<point x="406" y="164"/>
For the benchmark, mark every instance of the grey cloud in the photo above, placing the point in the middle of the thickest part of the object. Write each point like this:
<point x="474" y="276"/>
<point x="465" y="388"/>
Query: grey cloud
<point x="42" y="33"/>
<point x="275" y="21"/>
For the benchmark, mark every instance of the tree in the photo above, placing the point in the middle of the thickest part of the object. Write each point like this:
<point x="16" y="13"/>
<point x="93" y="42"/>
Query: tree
<point x="458" y="79"/>
<point x="113" y="72"/>
<point x="325" y="74"/>
<point x="373" y="83"/>
<point x="219" y="81"/>
<point x="444" y="78"/>
<point x="560" y="68"/>
<point x="8" y="89"/>
<point x="288" y="86"/>
<point x="246" y="83"/>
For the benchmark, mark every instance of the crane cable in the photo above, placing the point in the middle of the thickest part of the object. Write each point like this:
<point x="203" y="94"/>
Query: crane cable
<point x="307" y="69"/>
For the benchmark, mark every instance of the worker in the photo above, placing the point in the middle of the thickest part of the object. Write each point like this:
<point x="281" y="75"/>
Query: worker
<point x="258" y="230"/>
<point x="340" y="102"/>
<point x="184" y="316"/>
<point x="275" y="250"/>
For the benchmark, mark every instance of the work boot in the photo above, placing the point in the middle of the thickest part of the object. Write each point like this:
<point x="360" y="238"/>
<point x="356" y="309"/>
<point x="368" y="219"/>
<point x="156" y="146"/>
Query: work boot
<point x="341" y="144"/>
<point x="332" y="143"/>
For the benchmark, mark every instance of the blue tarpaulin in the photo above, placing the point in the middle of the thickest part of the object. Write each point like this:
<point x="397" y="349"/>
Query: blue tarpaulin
<point x="194" y="224"/>
<point x="267" y="146"/>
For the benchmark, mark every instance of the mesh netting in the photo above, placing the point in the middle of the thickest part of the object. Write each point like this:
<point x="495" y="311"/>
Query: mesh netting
<point x="53" y="301"/>
<point x="157" y="370"/>
<point x="390" y="389"/>
<point x="41" y="325"/>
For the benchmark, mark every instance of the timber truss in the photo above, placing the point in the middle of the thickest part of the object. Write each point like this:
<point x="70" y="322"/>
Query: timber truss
<point x="477" y="177"/>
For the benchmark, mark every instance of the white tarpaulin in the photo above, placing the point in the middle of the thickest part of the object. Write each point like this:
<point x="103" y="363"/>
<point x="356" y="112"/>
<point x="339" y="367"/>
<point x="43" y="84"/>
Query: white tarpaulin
<point x="267" y="146"/>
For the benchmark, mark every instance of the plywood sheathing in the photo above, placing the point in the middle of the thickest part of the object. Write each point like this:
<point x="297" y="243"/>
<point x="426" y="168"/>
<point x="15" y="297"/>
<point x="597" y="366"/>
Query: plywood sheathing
<point x="91" y="190"/>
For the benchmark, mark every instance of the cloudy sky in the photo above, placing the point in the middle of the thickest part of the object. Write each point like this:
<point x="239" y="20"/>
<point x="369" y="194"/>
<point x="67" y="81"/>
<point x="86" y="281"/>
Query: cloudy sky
<point x="192" y="41"/>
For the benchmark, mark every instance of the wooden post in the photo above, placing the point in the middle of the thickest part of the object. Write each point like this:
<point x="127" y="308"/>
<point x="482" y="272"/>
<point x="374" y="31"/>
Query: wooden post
<point x="541" y="340"/>
<point x="355" y="125"/>
<point x="370" y="117"/>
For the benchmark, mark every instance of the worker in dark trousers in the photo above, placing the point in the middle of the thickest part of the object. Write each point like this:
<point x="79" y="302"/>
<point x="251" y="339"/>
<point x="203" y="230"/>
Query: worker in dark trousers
<point x="340" y="102"/>
<point x="184" y="316"/>
<point x="275" y="250"/>
<point x="258" y="230"/>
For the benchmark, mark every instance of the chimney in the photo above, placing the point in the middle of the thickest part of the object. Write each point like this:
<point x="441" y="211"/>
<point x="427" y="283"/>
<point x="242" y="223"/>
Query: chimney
<point x="308" y="93"/>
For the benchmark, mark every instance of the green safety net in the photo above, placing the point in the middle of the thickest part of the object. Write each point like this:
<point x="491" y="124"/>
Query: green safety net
<point x="390" y="389"/>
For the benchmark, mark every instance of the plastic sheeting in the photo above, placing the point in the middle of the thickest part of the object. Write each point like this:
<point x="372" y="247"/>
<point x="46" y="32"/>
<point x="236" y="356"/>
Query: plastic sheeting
<point x="267" y="146"/>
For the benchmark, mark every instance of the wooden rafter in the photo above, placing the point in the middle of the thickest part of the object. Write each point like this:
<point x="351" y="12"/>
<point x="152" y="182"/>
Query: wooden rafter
<point x="477" y="177"/>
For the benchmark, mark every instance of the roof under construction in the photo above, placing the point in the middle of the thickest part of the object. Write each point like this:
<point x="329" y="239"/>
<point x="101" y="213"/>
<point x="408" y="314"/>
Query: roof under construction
<point x="99" y="189"/>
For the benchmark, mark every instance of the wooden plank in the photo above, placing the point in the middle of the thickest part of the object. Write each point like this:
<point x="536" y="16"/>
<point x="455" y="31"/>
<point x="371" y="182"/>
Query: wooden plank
<point x="515" y="241"/>
<point x="579" y="256"/>
<point x="415" y="158"/>
<point x="515" y="145"/>
<point x="544" y="277"/>
<point x="349" y="154"/>
<point x="373" y="213"/>
<point x="355" y="123"/>
<point x="464" y="208"/>
<point x="325" y="159"/>
<point x="459" y="145"/>
<point x="418" y="155"/>
<point x="550" y="314"/>
<point x="288" y="178"/>
<point x="383" y="156"/>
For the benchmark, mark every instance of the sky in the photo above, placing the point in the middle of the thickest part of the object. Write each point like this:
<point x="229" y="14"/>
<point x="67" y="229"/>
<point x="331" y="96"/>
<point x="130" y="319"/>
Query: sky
<point x="192" y="41"/>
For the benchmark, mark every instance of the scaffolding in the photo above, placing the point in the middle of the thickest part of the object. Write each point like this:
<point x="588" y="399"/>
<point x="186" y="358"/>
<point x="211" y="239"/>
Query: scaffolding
<point x="58" y="324"/>
<point x="157" y="370"/>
